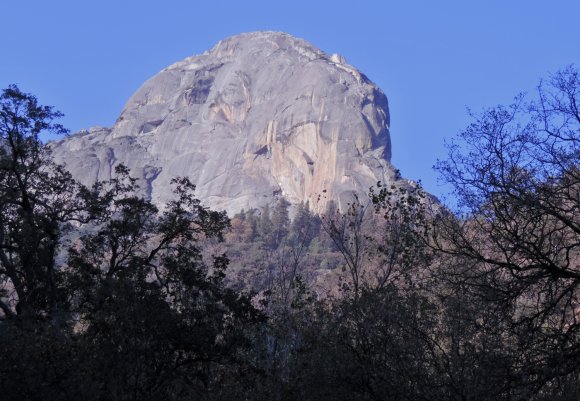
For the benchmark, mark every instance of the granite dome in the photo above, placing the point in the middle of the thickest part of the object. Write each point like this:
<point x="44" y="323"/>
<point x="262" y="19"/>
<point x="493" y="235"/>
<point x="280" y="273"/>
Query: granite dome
<point x="260" y="115"/>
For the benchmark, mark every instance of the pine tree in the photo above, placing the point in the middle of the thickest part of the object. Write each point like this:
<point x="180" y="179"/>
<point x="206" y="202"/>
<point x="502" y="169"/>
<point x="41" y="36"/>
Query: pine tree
<point x="280" y="221"/>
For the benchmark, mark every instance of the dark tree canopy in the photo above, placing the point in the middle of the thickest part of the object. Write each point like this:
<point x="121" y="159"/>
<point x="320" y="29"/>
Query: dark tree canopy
<point x="105" y="297"/>
<point x="37" y="199"/>
<point x="516" y="174"/>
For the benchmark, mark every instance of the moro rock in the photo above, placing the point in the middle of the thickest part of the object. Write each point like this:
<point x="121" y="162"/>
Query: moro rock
<point x="260" y="116"/>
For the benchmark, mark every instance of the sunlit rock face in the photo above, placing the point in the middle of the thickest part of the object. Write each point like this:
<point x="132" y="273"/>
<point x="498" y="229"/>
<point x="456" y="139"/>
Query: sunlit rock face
<point x="259" y="116"/>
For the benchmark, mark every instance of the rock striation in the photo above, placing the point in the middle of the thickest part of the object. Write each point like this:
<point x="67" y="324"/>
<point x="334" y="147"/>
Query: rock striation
<point x="259" y="116"/>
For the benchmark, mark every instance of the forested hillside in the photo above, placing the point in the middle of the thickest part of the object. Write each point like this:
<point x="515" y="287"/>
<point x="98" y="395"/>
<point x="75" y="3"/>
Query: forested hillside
<point x="103" y="296"/>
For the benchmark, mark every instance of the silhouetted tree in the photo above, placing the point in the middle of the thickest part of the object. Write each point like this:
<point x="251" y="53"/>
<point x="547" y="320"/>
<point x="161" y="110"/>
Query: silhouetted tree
<point x="517" y="180"/>
<point x="280" y="221"/>
<point x="134" y="311"/>
<point x="38" y="200"/>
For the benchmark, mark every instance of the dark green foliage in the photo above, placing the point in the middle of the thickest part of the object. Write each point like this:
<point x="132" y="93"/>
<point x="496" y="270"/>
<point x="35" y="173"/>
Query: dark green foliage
<point x="134" y="311"/>
<point x="305" y="225"/>
<point x="265" y="226"/>
<point x="37" y="200"/>
<point x="280" y="221"/>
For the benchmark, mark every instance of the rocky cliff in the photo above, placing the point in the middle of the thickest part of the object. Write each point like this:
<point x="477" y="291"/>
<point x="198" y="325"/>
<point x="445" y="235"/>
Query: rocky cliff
<point x="261" y="115"/>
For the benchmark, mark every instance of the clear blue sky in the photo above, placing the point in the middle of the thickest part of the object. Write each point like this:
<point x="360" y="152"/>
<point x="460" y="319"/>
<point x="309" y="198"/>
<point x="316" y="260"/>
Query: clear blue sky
<point x="431" y="58"/>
